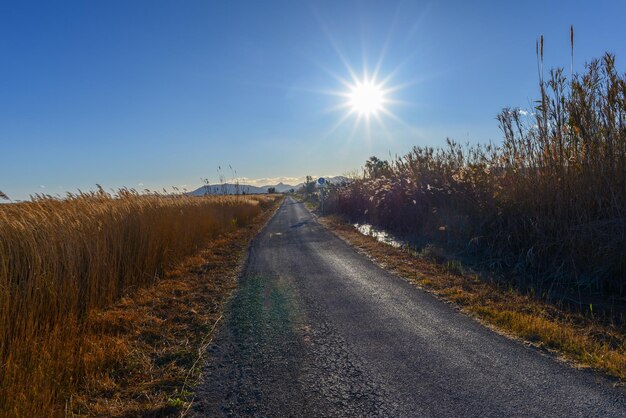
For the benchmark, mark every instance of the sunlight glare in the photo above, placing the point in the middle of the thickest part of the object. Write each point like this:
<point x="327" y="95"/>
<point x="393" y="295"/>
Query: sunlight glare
<point x="366" y="98"/>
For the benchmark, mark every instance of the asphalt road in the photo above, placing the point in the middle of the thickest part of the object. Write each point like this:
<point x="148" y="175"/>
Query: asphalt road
<point x="316" y="329"/>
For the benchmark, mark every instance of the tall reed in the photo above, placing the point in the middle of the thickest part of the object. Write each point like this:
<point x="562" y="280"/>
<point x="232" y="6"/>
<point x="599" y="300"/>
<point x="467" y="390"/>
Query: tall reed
<point x="548" y="202"/>
<point x="61" y="258"/>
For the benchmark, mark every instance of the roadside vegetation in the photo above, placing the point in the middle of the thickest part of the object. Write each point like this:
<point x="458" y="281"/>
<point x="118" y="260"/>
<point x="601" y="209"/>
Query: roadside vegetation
<point x="548" y="203"/>
<point x="542" y="213"/>
<point x="63" y="260"/>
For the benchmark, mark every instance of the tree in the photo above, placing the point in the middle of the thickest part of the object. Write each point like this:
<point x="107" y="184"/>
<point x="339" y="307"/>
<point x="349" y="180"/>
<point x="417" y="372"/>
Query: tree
<point x="375" y="167"/>
<point x="309" y="185"/>
<point x="271" y="190"/>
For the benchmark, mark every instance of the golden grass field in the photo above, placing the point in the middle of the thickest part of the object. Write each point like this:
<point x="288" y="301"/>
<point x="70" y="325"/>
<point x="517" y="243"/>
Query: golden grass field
<point x="60" y="259"/>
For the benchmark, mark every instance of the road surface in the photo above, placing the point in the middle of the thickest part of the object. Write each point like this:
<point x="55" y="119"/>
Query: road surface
<point x="316" y="329"/>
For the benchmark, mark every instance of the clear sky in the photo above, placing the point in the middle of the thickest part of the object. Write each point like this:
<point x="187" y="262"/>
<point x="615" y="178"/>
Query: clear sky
<point x="152" y="94"/>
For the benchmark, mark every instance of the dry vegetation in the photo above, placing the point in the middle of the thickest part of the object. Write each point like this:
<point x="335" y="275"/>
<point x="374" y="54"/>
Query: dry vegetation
<point x="541" y="217"/>
<point x="546" y="206"/>
<point x="63" y="258"/>
<point x="144" y="353"/>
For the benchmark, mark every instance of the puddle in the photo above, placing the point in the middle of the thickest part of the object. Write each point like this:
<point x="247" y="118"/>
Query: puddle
<point x="380" y="235"/>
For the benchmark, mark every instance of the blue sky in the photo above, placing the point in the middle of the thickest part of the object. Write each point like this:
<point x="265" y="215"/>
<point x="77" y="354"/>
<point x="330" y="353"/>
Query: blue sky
<point x="152" y="94"/>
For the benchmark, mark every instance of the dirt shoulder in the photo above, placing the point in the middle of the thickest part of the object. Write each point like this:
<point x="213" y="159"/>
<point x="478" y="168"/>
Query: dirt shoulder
<point x="574" y="338"/>
<point x="146" y="352"/>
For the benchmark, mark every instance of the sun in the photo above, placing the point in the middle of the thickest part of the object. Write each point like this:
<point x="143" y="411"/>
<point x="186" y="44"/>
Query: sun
<point x="366" y="98"/>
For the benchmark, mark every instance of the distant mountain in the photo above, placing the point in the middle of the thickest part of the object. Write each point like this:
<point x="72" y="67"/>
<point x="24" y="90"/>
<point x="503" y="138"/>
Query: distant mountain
<point x="231" y="188"/>
<point x="338" y="180"/>
<point x="228" y="188"/>
<point x="282" y="187"/>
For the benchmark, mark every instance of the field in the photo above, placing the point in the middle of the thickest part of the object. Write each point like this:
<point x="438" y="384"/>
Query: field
<point x="544" y="210"/>
<point x="62" y="259"/>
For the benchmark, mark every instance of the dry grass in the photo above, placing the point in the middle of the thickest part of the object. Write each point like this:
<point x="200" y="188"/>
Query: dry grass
<point x="546" y="204"/>
<point x="61" y="259"/>
<point x="578" y="338"/>
<point x="144" y="353"/>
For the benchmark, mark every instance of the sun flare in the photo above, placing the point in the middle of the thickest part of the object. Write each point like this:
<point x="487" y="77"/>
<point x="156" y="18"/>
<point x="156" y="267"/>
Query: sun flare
<point x="366" y="98"/>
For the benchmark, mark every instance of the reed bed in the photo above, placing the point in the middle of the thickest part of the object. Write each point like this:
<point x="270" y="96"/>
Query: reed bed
<point x="62" y="258"/>
<point x="547" y="204"/>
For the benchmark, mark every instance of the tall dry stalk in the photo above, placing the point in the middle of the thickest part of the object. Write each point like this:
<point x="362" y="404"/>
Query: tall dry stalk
<point x="548" y="202"/>
<point x="60" y="259"/>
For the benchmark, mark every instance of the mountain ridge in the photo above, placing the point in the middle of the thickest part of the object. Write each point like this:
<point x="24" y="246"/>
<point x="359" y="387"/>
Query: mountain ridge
<point x="233" y="188"/>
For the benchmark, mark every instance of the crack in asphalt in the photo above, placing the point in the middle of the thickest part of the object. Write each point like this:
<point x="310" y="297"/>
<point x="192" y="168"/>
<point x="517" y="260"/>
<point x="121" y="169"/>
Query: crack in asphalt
<point x="316" y="329"/>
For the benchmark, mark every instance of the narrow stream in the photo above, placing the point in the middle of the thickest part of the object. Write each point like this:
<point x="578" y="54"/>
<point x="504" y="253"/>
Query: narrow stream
<point x="380" y="235"/>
